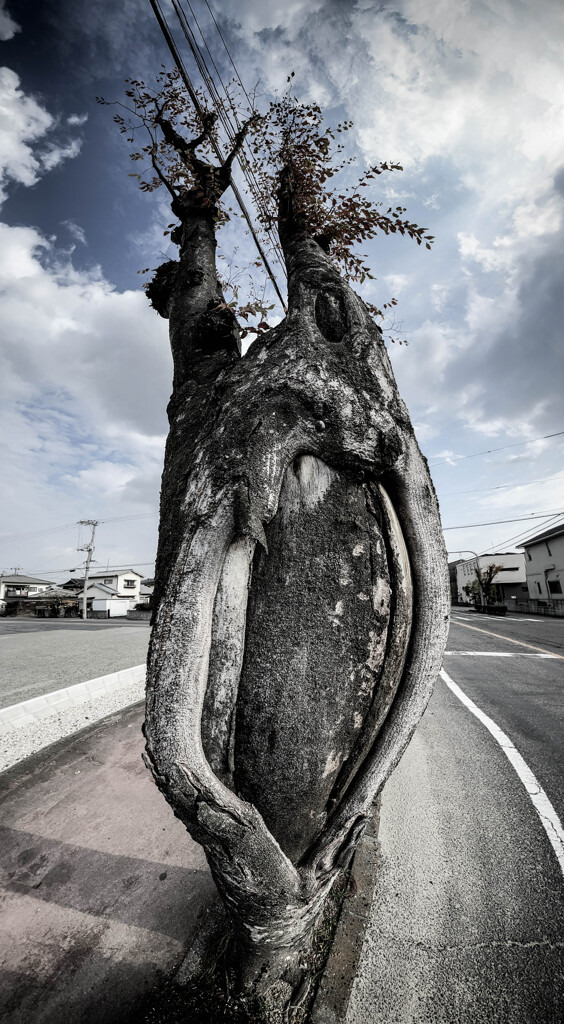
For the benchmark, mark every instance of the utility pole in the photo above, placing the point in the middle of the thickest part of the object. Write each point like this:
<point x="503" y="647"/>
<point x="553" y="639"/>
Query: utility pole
<point x="89" y="548"/>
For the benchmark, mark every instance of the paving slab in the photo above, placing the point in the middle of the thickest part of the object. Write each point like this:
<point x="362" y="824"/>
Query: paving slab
<point x="102" y="887"/>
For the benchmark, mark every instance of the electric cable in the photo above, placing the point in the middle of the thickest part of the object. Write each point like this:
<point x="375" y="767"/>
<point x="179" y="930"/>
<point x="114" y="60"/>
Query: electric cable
<point x="490" y="451"/>
<point x="525" y="534"/>
<point x="193" y="96"/>
<point x="247" y="167"/>
<point x="496" y="522"/>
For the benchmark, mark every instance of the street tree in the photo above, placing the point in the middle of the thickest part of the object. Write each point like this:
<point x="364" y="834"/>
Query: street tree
<point x="301" y="586"/>
<point x="483" y="588"/>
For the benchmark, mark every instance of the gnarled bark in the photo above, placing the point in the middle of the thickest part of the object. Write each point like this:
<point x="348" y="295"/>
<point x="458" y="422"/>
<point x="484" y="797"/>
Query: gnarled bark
<point x="301" y="591"/>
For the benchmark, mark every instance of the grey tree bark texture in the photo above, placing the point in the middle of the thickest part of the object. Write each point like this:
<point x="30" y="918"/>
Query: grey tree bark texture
<point x="301" y="588"/>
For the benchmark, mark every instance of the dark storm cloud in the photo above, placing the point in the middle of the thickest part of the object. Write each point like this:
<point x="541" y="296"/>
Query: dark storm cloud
<point x="519" y="372"/>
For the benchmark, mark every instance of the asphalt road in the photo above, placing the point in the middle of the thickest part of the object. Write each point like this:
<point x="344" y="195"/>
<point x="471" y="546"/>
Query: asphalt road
<point x="38" y="656"/>
<point x="468" y="920"/>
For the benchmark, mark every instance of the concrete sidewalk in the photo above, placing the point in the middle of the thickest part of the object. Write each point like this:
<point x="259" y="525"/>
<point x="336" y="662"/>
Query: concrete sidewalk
<point x="103" y="890"/>
<point x="101" y="884"/>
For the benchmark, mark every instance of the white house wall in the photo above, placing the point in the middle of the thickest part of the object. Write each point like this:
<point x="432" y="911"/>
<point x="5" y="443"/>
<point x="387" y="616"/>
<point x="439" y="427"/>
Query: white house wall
<point x="115" y="606"/>
<point x="118" y="581"/>
<point x="544" y="562"/>
<point x="514" y="574"/>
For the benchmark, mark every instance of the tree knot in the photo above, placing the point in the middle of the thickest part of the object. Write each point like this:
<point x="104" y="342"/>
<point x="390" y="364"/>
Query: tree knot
<point x="159" y="289"/>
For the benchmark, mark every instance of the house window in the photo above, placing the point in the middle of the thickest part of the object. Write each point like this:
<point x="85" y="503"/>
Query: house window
<point x="555" y="586"/>
<point x="108" y="582"/>
<point x="129" y="584"/>
<point x="538" y="586"/>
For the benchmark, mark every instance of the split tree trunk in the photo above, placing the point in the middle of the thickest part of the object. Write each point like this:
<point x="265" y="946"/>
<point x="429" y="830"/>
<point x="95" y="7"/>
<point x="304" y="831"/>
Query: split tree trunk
<point x="301" y="592"/>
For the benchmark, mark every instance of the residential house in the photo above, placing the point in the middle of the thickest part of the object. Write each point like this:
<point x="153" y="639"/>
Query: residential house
<point x="544" y="564"/>
<point x="509" y="586"/>
<point x="35" y="597"/>
<point x="17" y="585"/>
<point x="145" y="594"/>
<point x="110" y="594"/>
<point x="125" y="582"/>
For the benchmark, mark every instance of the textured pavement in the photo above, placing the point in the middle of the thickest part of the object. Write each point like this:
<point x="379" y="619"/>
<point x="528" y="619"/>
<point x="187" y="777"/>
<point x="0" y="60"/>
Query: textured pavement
<point x="467" y="923"/>
<point x="101" y="885"/>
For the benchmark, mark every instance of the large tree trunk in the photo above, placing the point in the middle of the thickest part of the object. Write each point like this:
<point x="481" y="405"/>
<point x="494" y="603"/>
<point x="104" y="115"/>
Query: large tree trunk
<point x="301" y="589"/>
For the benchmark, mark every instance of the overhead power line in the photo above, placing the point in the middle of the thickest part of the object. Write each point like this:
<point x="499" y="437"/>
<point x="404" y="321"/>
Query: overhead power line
<point x="193" y="96"/>
<point x="525" y="534"/>
<point x="100" y="569"/>
<point x="496" y="487"/>
<point x="246" y="166"/>
<point x="70" y="526"/>
<point x="496" y="522"/>
<point x="39" y="533"/>
<point x="490" y="451"/>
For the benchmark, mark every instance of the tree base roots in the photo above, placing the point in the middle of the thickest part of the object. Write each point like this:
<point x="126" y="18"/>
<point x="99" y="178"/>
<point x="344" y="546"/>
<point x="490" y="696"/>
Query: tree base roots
<point x="211" y="998"/>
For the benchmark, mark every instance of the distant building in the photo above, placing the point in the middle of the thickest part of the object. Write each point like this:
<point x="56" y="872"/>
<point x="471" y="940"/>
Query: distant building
<point x="110" y="594"/>
<point x="22" y="586"/>
<point x="28" y="596"/>
<point x="145" y="594"/>
<point x="509" y="584"/>
<point x="75" y="583"/>
<point x="453" y="582"/>
<point x="17" y="591"/>
<point x="124" y="582"/>
<point x="544" y="565"/>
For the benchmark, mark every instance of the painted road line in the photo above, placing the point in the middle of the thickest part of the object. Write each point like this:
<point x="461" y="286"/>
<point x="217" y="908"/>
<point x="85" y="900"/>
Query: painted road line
<point x="548" y="816"/>
<point x="509" y="640"/>
<point x="504" y="618"/>
<point x="498" y="654"/>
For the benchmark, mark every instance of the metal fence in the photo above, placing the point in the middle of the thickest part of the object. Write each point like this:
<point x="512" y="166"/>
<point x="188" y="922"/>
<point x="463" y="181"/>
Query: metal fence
<point x="553" y="608"/>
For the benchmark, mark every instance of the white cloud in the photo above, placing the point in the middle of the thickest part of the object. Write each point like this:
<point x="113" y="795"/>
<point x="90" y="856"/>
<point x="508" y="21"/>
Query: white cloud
<point x="54" y="154"/>
<point x="469" y="96"/>
<point x="396" y="283"/>
<point x="85" y="378"/>
<point x="85" y="369"/>
<point x="76" y="231"/>
<point x="71" y="330"/>
<point x="23" y="122"/>
<point x="8" y="26"/>
<point x="529" y="496"/>
<point x="77" y="119"/>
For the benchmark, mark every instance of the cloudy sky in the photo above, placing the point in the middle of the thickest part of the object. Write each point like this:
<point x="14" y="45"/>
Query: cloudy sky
<point x="467" y="94"/>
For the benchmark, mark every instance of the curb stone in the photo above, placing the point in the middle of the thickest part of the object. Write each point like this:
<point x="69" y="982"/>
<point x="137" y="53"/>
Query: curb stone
<point x="335" y="988"/>
<point x="28" y="712"/>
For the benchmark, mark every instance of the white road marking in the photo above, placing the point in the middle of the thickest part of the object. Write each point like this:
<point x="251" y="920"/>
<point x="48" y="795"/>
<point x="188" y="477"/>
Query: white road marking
<point x="507" y="618"/>
<point x="497" y="654"/>
<point x="548" y="816"/>
<point x="508" y="639"/>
